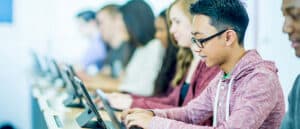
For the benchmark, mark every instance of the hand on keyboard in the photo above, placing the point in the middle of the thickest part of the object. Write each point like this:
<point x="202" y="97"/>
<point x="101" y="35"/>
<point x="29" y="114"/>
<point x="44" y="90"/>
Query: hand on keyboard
<point x="137" y="118"/>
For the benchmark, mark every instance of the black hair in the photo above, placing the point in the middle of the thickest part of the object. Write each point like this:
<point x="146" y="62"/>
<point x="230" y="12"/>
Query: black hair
<point x="87" y="15"/>
<point x="168" y="68"/>
<point x="139" y="20"/>
<point x="7" y="126"/>
<point x="163" y="14"/>
<point x="224" y="14"/>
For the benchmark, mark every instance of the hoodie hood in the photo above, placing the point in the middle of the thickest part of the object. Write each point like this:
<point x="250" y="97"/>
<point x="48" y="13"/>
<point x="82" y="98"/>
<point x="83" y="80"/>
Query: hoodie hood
<point x="249" y="62"/>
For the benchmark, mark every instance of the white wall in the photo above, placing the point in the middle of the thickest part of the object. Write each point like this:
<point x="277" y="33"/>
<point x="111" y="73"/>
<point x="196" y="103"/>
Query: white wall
<point x="14" y="93"/>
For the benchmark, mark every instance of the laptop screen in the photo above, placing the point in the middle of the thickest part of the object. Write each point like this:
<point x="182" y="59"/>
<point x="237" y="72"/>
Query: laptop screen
<point x="109" y="109"/>
<point x="91" y="105"/>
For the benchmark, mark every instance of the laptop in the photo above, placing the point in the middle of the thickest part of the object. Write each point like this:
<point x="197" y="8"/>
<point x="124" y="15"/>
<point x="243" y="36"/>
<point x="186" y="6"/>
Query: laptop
<point x="85" y="119"/>
<point x="110" y="110"/>
<point x="74" y="98"/>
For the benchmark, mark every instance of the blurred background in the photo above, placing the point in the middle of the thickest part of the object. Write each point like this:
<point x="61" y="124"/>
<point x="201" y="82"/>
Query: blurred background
<point x="50" y="28"/>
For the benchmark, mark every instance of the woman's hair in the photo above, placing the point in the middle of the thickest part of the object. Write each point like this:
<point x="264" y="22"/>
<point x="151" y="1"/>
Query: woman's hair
<point x="185" y="55"/>
<point x="87" y="15"/>
<point x="139" y="20"/>
<point x="168" y="68"/>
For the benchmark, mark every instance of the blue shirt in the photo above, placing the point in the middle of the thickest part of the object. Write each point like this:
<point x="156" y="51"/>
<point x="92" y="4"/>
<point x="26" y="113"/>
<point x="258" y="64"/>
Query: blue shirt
<point x="95" y="54"/>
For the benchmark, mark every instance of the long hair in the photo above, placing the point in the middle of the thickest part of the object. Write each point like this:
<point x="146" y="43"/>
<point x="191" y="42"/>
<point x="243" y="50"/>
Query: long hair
<point x="185" y="55"/>
<point x="168" y="68"/>
<point x="139" y="20"/>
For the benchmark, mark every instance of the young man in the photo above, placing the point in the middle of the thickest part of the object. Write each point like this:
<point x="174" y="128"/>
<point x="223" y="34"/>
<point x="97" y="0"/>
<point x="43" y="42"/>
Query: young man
<point x="291" y="12"/>
<point x="114" y="32"/>
<point x="246" y="94"/>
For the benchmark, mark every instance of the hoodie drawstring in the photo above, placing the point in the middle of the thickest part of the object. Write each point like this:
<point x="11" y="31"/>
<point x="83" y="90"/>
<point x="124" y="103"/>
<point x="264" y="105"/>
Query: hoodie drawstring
<point x="216" y="104"/>
<point x="215" y="112"/>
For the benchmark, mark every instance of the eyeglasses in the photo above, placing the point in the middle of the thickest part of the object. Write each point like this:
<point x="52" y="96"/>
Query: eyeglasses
<point x="200" y="42"/>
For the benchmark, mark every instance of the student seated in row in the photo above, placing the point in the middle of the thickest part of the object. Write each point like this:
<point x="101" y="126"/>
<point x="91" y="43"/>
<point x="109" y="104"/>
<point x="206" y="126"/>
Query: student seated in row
<point x="246" y="94"/>
<point x="114" y="32"/>
<point x="192" y="75"/>
<point x="145" y="63"/>
<point x="95" y="55"/>
<point x="167" y="70"/>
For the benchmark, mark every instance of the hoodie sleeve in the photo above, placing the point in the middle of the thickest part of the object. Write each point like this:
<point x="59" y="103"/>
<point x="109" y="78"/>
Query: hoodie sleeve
<point x="257" y="98"/>
<point x="196" y="112"/>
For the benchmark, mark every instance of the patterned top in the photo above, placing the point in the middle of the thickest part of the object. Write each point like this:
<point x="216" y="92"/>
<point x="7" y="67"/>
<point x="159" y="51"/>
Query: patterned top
<point x="256" y="100"/>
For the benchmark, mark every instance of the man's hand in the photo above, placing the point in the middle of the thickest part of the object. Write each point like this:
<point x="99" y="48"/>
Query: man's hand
<point x="137" y="117"/>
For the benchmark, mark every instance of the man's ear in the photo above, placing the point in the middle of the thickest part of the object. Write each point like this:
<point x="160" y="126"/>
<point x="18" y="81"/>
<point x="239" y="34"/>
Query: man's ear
<point x="230" y="37"/>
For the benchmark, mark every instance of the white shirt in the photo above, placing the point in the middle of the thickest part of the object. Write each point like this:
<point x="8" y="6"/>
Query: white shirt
<point x="143" y="69"/>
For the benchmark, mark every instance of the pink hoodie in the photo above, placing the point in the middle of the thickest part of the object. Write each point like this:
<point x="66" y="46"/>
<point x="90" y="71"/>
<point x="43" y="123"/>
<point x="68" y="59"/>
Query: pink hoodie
<point x="251" y="98"/>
